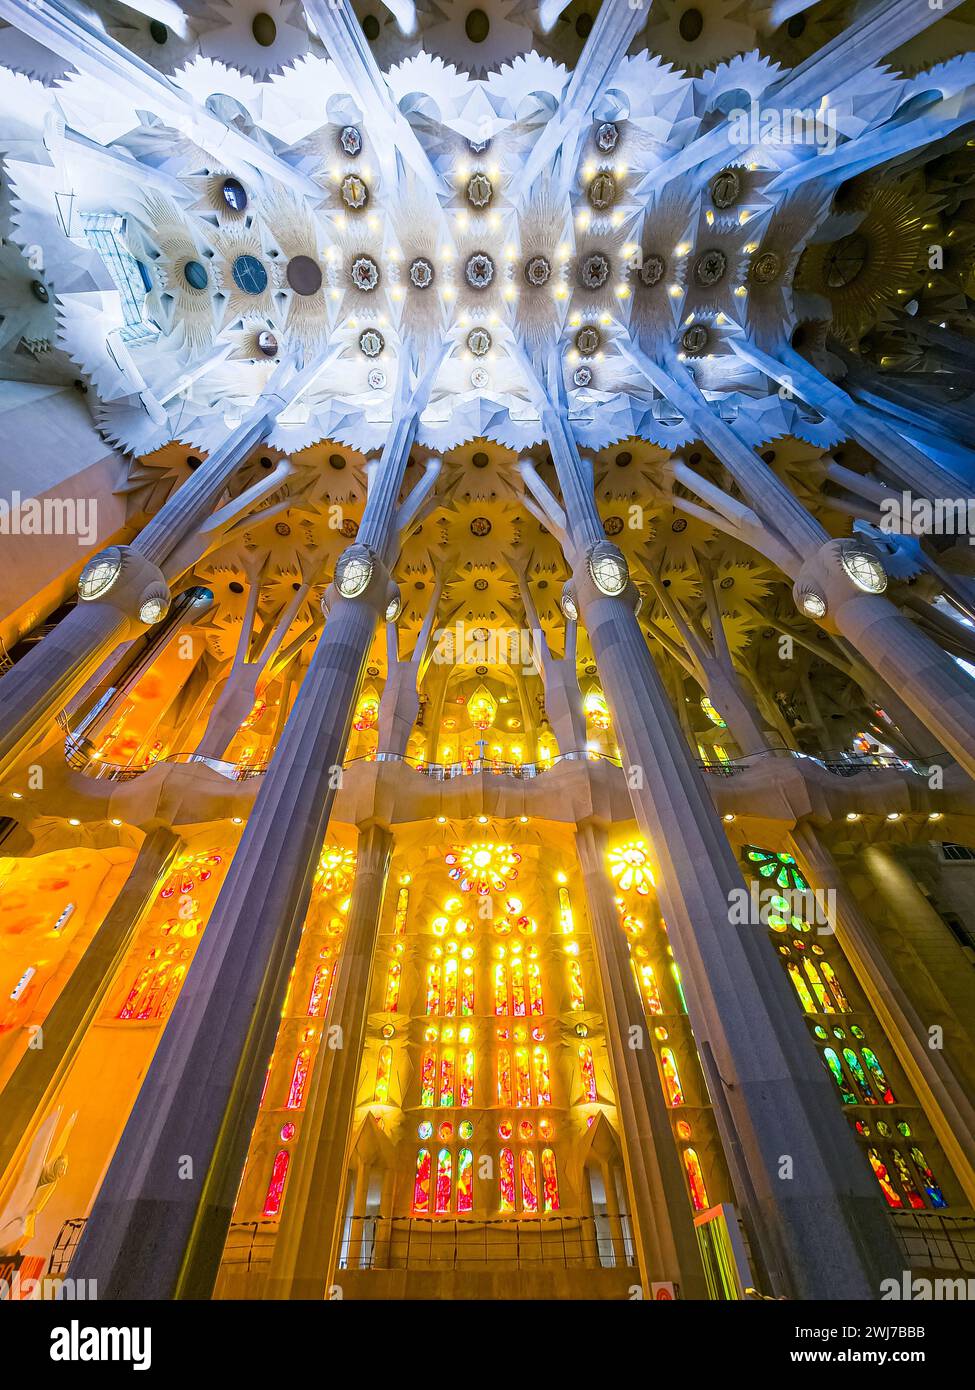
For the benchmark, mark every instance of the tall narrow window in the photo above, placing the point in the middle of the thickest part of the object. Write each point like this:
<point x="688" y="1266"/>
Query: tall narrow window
<point x="577" y="998"/>
<point x="444" y="1171"/>
<point x="819" y="989"/>
<point x="906" y="1181"/>
<point x="672" y="1087"/>
<point x="275" y="1188"/>
<point x="506" y="1179"/>
<point x="529" y="1181"/>
<point x="383" y="1069"/>
<point x="450" y="987"/>
<point x="550" y="1181"/>
<point x="523" y="1089"/>
<point x="588" y="1073"/>
<point x="859" y="1075"/>
<point x="465" y="1181"/>
<point x="801" y="988"/>
<point x="466" y="1080"/>
<point x="518" y="988"/>
<point x="565" y="912"/>
<point x="299" y="1079"/>
<point x="393" y="974"/>
<point x="935" y="1196"/>
<point x="648" y="984"/>
<point x="877" y="1072"/>
<point x="883" y="1178"/>
<point x="535" y="1002"/>
<point x="433" y="987"/>
<point x="830" y="976"/>
<point x="467" y="991"/>
<point x="543" y="1084"/>
<point x="447" y="1078"/>
<point x="402" y="907"/>
<point x="695" y="1180"/>
<point x="675" y="975"/>
<point x="319" y="987"/>
<point x="428" y="1076"/>
<point x="500" y="987"/>
<point x="838" y="1075"/>
<point x="421" y="1184"/>
<point x="504" y="1076"/>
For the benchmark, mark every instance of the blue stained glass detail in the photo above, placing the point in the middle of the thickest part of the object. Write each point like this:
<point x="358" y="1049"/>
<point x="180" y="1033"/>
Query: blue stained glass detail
<point x="249" y="275"/>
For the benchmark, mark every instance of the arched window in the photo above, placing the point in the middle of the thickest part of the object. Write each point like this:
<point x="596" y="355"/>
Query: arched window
<point x="320" y="990"/>
<point x="504" y="1076"/>
<point x="672" y="1086"/>
<point x="801" y="988"/>
<point x="935" y="1196"/>
<point x="466" y="1079"/>
<point x="859" y="1075"/>
<point x="543" y="1084"/>
<point x="299" y="1078"/>
<point x="444" y="1173"/>
<point x="830" y="976"/>
<point x="465" y="1181"/>
<point x="819" y="989"/>
<point x="588" y="1073"/>
<point x="433" y="987"/>
<point x="675" y="973"/>
<point x="467" y="991"/>
<point x="500" y="987"/>
<point x="428" y="1076"/>
<point x="577" y="997"/>
<point x="383" y="1069"/>
<point x="421" y="1184"/>
<point x="449" y="1000"/>
<point x="535" y="1002"/>
<point x="506" y="1180"/>
<point x="393" y="975"/>
<point x="695" y="1180"/>
<point x="906" y="1180"/>
<point x="565" y="912"/>
<point x="838" y="1075"/>
<point x="275" y="1188"/>
<point x="447" y="1078"/>
<point x="647" y="980"/>
<point x="550" y="1181"/>
<point x="518" y="988"/>
<point x="402" y="907"/>
<point x="877" y="1072"/>
<point x="529" y="1181"/>
<point x="523" y="1089"/>
<point x="891" y="1195"/>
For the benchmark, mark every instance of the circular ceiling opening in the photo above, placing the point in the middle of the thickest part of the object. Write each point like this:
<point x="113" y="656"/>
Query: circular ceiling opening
<point x="690" y="25"/>
<point x="264" y="29"/>
<point x="304" y="275"/>
<point x="158" y="31"/>
<point x="477" y="26"/>
<point x="845" y="260"/>
<point x="370" y="27"/>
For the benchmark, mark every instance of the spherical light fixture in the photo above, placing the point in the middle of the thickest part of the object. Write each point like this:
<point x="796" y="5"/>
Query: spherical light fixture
<point x="814" y="605"/>
<point x="354" y="571"/>
<point x="394" y="603"/>
<point x="608" y="569"/>
<point x="570" y="605"/>
<point x="99" y="574"/>
<point x="153" y="608"/>
<point x="863" y="567"/>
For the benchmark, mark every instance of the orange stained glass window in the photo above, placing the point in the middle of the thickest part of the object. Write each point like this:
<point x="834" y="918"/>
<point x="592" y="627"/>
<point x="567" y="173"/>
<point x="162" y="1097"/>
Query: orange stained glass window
<point x="550" y="1181"/>
<point x="830" y="976"/>
<point x="275" y="1188"/>
<point x="543" y="1084"/>
<point x="672" y="1086"/>
<point x="467" y="991"/>
<point x="504" y="1076"/>
<point x="421" y="1183"/>
<point x="428" y="1076"/>
<point x="465" y="1181"/>
<point x="565" y="912"/>
<point x="466" y="1080"/>
<point x="500" y="987"/>
<point x="695" y="1179"/>
<point x="588" y="1073"/>
<point x="383" y="1069"/>
<point x="891" y="1195"/>
<point x="506" y="1179"/>
<point x="647" y="980"/>
<point x="299" y="1079"/>
<point x="819" y="989"/>
<point x="433" y="987"/>
<point x="518" y="988"/>
<point x="393" y="976"/>
<point x="801" y="988"/>
<point x="536" y="1004"/>
<point x="529" y="1181"/>
<point x="577" y="997"/>
<point x="523" y="1089"/>
<point x="447" y="1078"/>
<point x="450" y="987"/>
<point x="444" y="1172"/>
<point x="319" y="990"/>
<point x="402" y="907"/>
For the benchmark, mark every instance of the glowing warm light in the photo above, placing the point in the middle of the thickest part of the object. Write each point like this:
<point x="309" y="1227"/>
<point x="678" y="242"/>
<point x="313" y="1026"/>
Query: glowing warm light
<point x="630" y="869"/>
<point x="483" y="868"/>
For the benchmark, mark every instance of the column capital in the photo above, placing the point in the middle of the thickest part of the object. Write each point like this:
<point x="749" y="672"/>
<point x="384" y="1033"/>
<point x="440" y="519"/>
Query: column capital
<point x="839" y="572"/>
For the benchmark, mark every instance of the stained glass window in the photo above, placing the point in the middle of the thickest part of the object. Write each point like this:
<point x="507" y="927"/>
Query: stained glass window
<point x="523" y="1091"/>
<point x="383" y="1069"/>
<point x="906" y="1181"/>
<point x="447" y="1078"/>
<point x="500" y="987"/>
<point x="319" y="985"/>
<point x="550" y="1181"/>
<point x="504" y="1076"/>
<point x="275" y="1188"/>
<point x="672" y="1087"/>
<point x="647" y="980"/>
<point x="299" y="1079"/>
<point x="518" y="988"/>
<point x="428" y="1074"/>
<point x="565" y="912"/>
<point x="393" y="976"/>
<point x="859" y="1075"/>
<point x="543" y="1085"/>
<point x="834" y="984"/>
<point x="935" y="1196"/>
<point x="421" y="1184"/>
<point x="529" y="1181"/>
<point x="444" y="1171"/>
<point x="433" y="987"/>
<point x="467" y="991"/>
<point x="450" y="987"/>
<point x="588" y="1073"/>
<point x="695" y="1180"/>
<point x="577" y="998"/>
<point x="837" y="1073"/>
<point x="506" y="1179"/>
<point x="883" y="1178"/>
<point x="465" y="1181"/>
<point x="535" y="1002"/>
<point x="801" y="988"/>
<point x="819" y="989"/>
<point x="466" y="1087"/>
<point x="877" y="1072"/>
